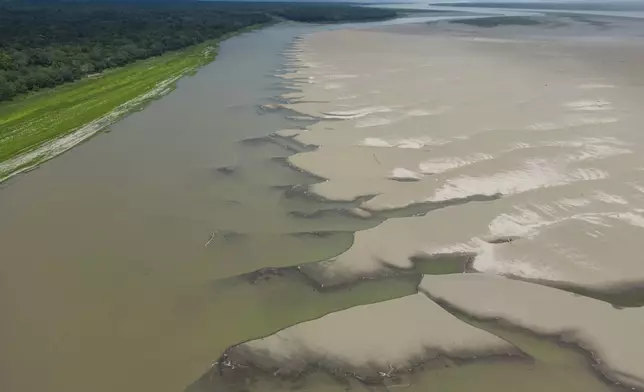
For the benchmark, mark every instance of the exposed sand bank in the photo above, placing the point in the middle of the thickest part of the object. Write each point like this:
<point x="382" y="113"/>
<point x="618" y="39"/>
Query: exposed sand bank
<point x="445" y="98"/>
<point x="548" y="234"/>
<point x="437" y="114"/>
<point x="371" y="341"/>
<point x="523" y="142"/>
<point x="544" y="118"/>
<point x="612" y="336"/>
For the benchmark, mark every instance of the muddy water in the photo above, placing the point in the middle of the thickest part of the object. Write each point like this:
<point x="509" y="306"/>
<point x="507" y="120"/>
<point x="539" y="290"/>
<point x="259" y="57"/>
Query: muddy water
<point x="359" y="161"/>
<point x="106" y="282"/>
<point x="124" y="263"/>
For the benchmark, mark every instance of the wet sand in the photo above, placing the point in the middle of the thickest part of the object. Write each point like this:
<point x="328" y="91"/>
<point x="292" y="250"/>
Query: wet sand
<point x="135" y="260"/>
<point x="527" y="139"/>
<point x="540" y="365"/>
<point x="612" y="336"/>
<point x="545" y="122"/>
<point x="112" y="254"/>
<point x="370" y="341"/>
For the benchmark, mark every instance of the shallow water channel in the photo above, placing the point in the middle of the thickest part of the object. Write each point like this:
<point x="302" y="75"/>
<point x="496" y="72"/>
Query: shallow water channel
<point x="124" y="263"/>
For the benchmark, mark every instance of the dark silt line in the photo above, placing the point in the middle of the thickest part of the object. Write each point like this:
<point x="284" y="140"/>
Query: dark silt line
<point x="319" y="303"/>
<point x="626" y="296"/>
<point x="501" y="328"/>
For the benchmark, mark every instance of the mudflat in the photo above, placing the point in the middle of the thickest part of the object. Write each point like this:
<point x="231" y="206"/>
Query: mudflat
<point x="371" y="340"/>
<point x="518" y="147"/>
<point x="611" y="335"/>
<point x="536" y="126"/>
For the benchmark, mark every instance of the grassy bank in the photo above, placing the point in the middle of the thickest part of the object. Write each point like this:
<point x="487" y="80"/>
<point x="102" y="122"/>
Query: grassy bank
<point x="32" y="127"/>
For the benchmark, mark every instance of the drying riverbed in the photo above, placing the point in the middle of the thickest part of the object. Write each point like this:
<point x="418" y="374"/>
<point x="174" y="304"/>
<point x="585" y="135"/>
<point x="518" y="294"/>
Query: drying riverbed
<point x="197" y="245"/>
<point x="114" y="255"/>
<point x="133" y="261"/>
<point x="516" y="144"/>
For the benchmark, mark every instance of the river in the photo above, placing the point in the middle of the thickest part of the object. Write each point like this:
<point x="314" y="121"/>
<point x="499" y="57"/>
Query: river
<point x="123" y="260"/>
<point x="104" y="265"/>
<point x="113" y="255"/>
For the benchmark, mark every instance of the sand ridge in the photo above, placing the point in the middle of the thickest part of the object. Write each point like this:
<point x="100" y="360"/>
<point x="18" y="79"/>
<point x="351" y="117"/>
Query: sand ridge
<point x="526" y="137"/>
<point x="612" y="336"/>
<point x="442" y="115"/>
<point x="371" y="341"/>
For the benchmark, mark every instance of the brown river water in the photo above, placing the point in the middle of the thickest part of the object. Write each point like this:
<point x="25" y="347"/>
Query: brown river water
<point x="123" y="261"/>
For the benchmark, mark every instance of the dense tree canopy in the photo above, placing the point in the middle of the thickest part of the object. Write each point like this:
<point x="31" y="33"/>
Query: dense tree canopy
<point x="46" y="44"/>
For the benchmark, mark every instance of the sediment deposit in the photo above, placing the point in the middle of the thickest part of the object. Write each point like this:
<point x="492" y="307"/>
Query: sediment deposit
<point x="371" y="341"/>
<point x="521" y="143"/>
<point x="612" y="336"/>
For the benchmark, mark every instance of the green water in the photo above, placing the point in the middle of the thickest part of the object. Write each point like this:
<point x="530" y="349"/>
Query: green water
<point x="548" y="367"/>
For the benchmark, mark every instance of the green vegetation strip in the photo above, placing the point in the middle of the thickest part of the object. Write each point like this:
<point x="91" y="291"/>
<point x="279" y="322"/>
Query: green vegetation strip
<point x="32" y="120"/>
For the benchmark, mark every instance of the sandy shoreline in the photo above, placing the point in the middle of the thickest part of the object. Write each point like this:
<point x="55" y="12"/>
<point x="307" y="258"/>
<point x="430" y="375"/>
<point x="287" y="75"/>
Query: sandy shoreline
<point x="543" y="119"/>
<point x="590" y="324"/>
<point x="371" y="341"/>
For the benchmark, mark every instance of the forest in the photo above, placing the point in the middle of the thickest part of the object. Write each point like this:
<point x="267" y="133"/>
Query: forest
<point x="45" y="44"/>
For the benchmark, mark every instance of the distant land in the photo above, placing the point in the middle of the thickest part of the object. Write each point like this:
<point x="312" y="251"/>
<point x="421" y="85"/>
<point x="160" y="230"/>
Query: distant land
<point x="71" y="68"/>
<point x="559" y="5"/>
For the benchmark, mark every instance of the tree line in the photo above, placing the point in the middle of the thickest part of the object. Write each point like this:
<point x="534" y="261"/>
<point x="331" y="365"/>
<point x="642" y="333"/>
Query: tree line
<point x="44" y="44"/>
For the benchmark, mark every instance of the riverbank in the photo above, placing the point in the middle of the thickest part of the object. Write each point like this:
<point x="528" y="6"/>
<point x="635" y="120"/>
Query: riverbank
<point x="40" y="126"/>
<point x="133" y="262"/>
<point x="125" y="260"/>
